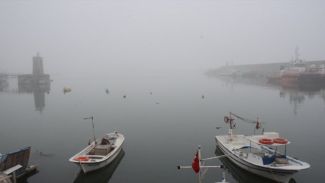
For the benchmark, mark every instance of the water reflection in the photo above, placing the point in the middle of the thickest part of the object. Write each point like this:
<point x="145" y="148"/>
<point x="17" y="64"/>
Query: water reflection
<point x="100" y="176"/>
<point x="241" y="175"/>
<point x="296" y="94"/>
<point x="38" y="91"/>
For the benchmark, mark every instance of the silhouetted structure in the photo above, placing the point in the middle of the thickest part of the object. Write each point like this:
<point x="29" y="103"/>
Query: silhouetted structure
<point x="3" y="82"/>
<point x="37" y="83"/>
<point x="38" y="76"/>
<point x="38" y="65"/>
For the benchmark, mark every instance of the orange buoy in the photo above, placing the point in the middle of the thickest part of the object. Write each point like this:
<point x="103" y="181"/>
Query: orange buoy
<point x="81" y="158"/>
<point x="266" y="141"/>
<point x="280" y="141"/>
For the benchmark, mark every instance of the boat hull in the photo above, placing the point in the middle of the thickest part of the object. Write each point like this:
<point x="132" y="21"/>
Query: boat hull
<point x="276" y="175"/>
<point x="89" y="167"/>
<point x="99" y="153"/>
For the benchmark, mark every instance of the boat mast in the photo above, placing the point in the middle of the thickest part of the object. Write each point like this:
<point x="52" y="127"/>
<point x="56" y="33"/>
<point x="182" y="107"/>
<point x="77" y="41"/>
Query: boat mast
<point x="93" y="125"/>
<point x="230" y="126"/>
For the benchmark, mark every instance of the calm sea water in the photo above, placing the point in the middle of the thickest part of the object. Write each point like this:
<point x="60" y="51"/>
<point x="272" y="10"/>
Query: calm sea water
<point x="163" y="117"/>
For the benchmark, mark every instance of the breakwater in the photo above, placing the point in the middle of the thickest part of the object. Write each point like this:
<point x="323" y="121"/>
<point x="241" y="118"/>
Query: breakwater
<point x="254" y="70"/>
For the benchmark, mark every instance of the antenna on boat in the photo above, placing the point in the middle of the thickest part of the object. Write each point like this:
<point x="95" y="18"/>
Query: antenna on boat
<point x="93" y="125"/>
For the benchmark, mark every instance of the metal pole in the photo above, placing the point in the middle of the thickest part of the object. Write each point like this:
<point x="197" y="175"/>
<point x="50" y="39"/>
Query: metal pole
<point x="199" y="154"/>
<point x="93" y="125"/>
<point x="92" y="121"/>
<point x="14" y="177"/>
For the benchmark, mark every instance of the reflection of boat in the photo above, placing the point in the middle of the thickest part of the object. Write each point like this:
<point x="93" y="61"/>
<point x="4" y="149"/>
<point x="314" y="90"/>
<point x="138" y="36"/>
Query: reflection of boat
<point x="103" y="175"/>
<point x="260" y="154"/>
<point x="99" y="153"/>
<point x="239" y="174"/>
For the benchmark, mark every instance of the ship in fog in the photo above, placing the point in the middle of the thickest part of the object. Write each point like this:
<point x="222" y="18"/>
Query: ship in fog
<point x="300" y="74"/>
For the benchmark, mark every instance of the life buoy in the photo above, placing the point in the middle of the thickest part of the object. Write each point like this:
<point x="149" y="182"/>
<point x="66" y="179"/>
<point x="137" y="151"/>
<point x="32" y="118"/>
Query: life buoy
<point x="226" y="119"/>
<point x="266" y="141"/>
<point x="81" y="158"/>
<point x="280" y="141"/>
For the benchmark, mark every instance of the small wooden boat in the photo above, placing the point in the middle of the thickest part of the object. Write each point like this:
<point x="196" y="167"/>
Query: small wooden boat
<point x="15" y="165"/>
<point x="99" y="153"/>
<point x="102" y="175"/>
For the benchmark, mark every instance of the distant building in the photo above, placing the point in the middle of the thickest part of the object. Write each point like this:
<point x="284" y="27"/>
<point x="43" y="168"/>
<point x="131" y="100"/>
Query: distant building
<point x="38" y="76"/>
<point x="38" y="65"/>
<point x="37" y="83"/>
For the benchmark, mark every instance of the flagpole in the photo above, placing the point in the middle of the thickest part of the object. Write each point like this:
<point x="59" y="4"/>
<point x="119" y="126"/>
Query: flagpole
<point x="92" y="121"/>
<point x="199" y="155"/>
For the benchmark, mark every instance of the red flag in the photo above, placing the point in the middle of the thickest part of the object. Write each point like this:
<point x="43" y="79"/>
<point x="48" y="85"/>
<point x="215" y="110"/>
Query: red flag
<point x="258" y="125"/>
<point x="196" y="163"/>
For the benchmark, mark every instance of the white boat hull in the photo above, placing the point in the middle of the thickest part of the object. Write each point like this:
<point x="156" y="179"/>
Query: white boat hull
<point x="98" y="155"/>
<point x="89" y="167"/>
<point x="279" y="176"/>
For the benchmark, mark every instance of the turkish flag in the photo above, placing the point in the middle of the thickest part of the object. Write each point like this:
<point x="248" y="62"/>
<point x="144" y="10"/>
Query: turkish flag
<point x="196" y="163"/>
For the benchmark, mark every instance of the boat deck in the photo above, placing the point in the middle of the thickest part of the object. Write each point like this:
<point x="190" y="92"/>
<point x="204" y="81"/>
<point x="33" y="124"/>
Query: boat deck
<point x="256" y="154"/>
<point x="101" y="150"/>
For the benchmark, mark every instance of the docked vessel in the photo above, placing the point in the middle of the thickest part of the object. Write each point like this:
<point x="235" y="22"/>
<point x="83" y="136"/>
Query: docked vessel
<point x="103" y="175"/>
<point x="260" y="154"/>
<point x="300" y="74"/>
<point x="15" y="165"/>
<point x="99" y="153"/>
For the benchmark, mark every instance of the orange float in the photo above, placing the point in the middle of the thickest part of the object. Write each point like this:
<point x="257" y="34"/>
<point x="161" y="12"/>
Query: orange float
<point x="280" y="141"/>
<point x="266" y="141"/>
<point x="81" y="158"/>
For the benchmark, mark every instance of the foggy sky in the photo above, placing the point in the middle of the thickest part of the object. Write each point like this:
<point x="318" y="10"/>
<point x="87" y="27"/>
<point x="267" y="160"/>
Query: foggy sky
<point x="155" y="35"/>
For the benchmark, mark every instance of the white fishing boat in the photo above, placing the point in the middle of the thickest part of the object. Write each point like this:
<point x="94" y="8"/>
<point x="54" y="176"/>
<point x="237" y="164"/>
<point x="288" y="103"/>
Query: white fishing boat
<point x="99" y="153"/>
<point x="260" y="154"/>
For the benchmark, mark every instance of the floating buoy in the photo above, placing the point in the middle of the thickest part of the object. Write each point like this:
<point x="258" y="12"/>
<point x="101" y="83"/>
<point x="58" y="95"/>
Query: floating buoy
<point x="66" y="90"/>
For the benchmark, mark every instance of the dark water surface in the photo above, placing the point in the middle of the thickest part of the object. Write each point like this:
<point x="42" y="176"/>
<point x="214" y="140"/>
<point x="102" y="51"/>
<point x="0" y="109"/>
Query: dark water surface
<point x="162" y="128"/>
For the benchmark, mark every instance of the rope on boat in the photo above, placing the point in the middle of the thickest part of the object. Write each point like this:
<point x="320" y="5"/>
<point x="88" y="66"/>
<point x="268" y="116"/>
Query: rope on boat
<point x="243" y="119"/>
